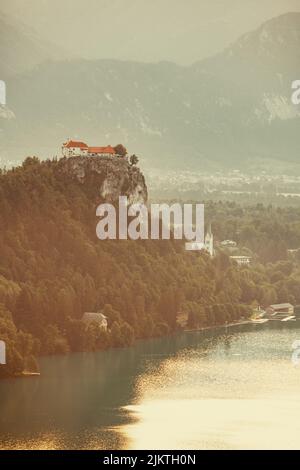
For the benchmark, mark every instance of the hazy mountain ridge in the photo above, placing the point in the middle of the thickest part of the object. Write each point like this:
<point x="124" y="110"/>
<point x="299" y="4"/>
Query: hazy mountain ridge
<point x="224" y="110"/>
<point x="21" y="48"/>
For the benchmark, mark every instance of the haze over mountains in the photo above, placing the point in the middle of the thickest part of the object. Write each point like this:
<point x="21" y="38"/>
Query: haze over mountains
<point x="21" y="48"/>
<point x="231" y="110"/>
<point x="181" y="31"/>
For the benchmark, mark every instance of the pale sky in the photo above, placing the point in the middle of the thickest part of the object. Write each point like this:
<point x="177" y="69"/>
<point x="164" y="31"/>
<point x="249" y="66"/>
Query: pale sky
<point x="182" y="31"/>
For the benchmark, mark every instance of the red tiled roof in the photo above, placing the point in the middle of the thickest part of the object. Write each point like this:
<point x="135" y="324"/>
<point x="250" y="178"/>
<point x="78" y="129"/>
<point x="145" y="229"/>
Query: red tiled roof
<point x="108" y="149"/>
<point x="76" y="144"/>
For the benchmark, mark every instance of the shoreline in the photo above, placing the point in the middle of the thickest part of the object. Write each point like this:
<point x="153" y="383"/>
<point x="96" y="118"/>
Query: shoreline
<point x="27" y="374"/>
<point x="224" y="325"/>
<point x="238" y="323"/>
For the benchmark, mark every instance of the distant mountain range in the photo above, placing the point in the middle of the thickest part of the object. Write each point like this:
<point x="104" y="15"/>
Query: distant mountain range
<point x="21" y="48"/>
<point x="232" y="110"/>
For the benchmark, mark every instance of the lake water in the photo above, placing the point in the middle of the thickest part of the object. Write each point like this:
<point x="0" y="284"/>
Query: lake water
<point x="234" y="389"/>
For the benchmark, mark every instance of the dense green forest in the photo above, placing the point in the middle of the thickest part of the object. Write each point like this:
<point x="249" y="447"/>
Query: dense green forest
<point x="53" y="269"/>
<point x="265" y="231"/>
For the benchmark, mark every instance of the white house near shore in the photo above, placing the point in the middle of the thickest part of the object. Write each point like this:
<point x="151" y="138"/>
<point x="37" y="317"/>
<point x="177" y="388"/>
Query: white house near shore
<point x="95" y="317"/>
<point x="280" y="309"/>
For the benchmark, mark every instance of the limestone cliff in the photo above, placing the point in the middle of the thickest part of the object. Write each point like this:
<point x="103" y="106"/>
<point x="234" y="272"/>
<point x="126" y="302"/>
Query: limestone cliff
<point x="113" y="176"/>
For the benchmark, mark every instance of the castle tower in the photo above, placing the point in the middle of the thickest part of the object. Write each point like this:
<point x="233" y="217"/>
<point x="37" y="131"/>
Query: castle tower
<point x="209" y="241"/>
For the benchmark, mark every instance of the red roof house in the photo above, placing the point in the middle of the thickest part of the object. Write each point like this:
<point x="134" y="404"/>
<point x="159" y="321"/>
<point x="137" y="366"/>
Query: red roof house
<point x="109" y="150"/>
<point x="75" y="144"/>
<point x="74" y="148"/>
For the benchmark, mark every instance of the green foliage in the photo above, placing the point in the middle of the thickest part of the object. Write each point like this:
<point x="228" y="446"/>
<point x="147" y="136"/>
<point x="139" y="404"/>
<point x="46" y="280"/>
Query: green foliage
<point x="31" y="364"/>
<point x="20" y="346"/>
<point x="133" y="160"/>
<point x="53" y="269"/>
<point x="120" y="150"/>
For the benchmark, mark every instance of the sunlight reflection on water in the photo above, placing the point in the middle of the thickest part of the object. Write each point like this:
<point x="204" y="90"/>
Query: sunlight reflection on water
<point x="228" y="390"/>
<point x="212" y="400"/>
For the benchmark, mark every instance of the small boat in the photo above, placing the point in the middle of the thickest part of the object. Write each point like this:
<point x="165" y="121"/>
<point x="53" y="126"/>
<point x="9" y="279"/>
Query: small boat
<point x="260" y="320"/>
<point x="30" y="374"/>
<point x="289" y="318"/>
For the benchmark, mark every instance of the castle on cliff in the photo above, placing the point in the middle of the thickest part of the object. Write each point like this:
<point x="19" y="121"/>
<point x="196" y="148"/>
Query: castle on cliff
<point x="75" y="148"/>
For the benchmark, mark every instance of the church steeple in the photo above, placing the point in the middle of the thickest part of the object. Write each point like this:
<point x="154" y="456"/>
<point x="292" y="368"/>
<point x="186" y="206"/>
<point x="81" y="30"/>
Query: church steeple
<point x="209" y="232"/>
<point x="209" y="240"/>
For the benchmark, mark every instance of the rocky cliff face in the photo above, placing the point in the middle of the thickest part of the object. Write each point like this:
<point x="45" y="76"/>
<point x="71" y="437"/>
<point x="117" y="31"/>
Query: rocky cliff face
<point x="113" y="176"/>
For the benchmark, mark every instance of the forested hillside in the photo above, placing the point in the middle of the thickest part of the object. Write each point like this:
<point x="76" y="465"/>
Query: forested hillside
<point x="53" y="269"/>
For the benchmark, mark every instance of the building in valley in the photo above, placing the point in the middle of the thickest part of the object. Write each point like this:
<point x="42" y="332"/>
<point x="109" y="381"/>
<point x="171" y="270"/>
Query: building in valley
<point x="241" y="260"/>
<point x="228" y="244"/>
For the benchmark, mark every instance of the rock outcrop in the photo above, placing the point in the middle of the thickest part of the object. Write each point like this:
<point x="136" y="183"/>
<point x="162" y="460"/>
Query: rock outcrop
<point x="113" y="176"/>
